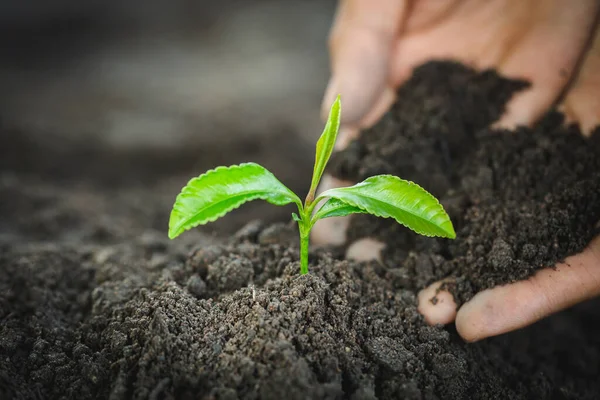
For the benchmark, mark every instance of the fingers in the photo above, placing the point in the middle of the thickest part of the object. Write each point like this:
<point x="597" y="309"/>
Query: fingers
<point x="438" y="307"/>
<point x="365" y="249"/>
<point x="360" y="45"/>
<point x="582" y="103"/>
<point x="506" y="308"/>
<point x="547" y="55"/>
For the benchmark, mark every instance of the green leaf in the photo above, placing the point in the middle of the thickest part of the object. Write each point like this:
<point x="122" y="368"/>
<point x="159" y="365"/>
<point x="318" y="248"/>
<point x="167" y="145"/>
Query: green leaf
<point x="325" y="145"/>
<point x="336" y="208"/>
<point x="296" y="218"/>
<point x="409" y="204"/>
<point x="213" y="194"/>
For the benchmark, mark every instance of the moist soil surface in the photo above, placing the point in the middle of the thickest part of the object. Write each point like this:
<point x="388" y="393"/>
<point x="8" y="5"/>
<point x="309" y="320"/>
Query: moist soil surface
<point x="519" y="201"/>
<point x="97" y="303"/>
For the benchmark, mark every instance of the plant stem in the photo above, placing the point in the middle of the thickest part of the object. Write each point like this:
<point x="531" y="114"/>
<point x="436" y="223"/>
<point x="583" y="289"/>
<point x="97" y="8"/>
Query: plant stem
<point x="303" y="252"/>
<point x="305" y="224"/>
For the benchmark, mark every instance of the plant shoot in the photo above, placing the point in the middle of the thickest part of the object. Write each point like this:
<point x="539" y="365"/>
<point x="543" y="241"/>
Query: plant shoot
<point x="215" y="193"/>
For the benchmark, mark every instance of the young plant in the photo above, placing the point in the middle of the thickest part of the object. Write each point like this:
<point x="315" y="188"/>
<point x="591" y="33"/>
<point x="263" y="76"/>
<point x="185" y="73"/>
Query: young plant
<point x="216" y="192"/>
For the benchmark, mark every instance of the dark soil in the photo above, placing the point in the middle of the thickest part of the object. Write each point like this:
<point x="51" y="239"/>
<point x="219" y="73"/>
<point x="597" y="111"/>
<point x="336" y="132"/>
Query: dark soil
<point x="520" y="201"/>
<point x="95" y="302"/>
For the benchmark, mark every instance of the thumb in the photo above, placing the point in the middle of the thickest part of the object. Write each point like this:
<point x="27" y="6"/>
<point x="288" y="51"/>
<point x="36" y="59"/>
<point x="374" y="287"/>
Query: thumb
<point x="360" y="44"/>
<point x="506" y="308"/>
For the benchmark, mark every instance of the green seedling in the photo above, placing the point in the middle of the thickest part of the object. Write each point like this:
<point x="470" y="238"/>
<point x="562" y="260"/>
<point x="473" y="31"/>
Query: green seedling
<point x="216" y="192"/>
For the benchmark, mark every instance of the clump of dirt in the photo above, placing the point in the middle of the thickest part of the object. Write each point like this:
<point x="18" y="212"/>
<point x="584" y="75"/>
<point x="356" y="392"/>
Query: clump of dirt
<point x="235" y="320"/>
<point x="96" y="302"/>
<point x="520" y="201"/>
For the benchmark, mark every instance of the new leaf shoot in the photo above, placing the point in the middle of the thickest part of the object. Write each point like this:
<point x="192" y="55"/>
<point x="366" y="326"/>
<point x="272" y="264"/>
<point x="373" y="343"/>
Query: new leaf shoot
<point x="215" y="193"/>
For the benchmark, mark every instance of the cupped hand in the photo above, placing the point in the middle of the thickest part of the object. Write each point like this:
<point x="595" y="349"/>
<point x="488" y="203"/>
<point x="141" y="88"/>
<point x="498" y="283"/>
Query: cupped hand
<point x="375" y="44"/>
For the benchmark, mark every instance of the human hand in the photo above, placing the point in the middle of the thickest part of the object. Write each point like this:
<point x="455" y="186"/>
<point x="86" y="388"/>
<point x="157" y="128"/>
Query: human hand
<point x="375" y="44"/>
<point x="374" y="47"/>
<point x="506" y="308"/>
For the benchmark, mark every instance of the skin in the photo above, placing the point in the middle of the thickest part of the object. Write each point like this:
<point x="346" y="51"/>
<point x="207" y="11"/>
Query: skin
<point x="375" y="44"/>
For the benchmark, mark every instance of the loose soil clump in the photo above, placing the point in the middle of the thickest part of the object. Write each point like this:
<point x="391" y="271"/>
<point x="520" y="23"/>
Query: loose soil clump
<point x="96" y="302"/>
<point x="520" y="201"/>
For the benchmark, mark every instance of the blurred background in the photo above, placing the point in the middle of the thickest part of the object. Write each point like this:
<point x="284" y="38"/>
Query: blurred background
<point x="162" y="72"/>
<point x="112" y="95"/>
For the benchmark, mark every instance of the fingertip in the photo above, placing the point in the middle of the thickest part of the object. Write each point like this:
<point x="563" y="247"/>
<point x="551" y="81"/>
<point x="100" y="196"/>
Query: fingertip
<point x="582" y="102"/>
<point x="503" y="309"/>
<point x="437" y="307"/>
<point x="380" y="107"/>
<point x="330" y="231"/>
<point x="472" y="319"/>
<point x="360" y="84"/>
<point x="348" y="133"/>
<point x="524" y="109"/>
<point x="365" y="249"/>
<point x="345" y="136"/>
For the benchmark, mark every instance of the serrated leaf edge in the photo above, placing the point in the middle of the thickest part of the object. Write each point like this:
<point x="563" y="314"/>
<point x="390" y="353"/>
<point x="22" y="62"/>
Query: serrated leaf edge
<point x="216" y="217"/>
<point x="436" y="204"/>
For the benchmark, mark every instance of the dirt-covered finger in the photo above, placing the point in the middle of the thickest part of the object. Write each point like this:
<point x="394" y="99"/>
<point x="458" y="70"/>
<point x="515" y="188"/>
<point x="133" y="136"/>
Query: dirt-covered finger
<point x="506" y="308"/>
<point x="365" y="249"/>
<point x="437" y="306"/>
